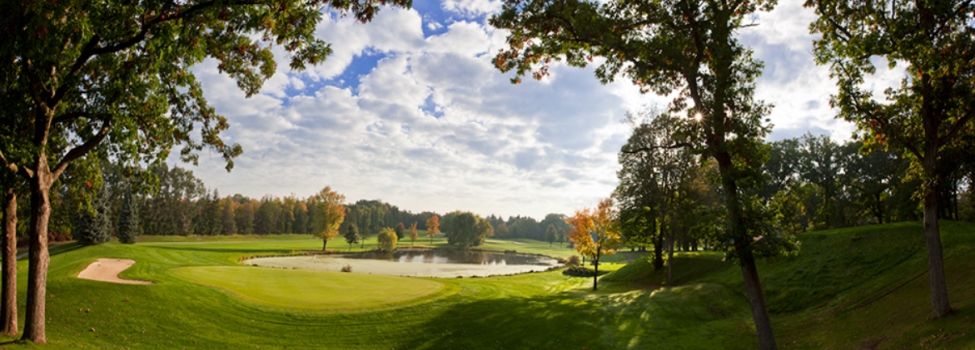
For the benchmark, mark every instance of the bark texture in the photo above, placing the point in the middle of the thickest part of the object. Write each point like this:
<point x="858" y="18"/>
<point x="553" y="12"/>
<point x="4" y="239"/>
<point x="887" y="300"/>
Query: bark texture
<point x="8" y="304"/>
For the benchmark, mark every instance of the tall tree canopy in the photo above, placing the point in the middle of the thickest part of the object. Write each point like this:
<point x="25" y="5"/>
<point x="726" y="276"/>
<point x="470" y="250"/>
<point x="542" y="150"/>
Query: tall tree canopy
<point x="682" y="48"/>
<point x="930" y="113"/>
<point x="329" y="215"/>
<point x="116" y="76"/>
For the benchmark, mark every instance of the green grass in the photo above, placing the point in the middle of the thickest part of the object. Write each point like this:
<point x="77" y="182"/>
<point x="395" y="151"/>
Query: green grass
<point x="310" y="290"/>
<point x="850" y="288"/>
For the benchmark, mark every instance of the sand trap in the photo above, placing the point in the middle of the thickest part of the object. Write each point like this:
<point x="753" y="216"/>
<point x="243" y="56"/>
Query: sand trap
<point x="107" y="270"/>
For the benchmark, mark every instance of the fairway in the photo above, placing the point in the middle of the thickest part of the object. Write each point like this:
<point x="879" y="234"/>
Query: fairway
<point x="310" y="290"/>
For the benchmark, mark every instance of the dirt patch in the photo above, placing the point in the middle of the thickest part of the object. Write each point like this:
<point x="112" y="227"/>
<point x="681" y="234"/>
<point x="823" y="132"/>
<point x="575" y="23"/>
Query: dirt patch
<point x="107" y="270"/>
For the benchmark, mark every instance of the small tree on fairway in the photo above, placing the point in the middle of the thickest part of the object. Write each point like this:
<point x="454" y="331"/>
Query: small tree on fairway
<point x="433" y="226"/>
<point x="551" y="235"/>
<point x="387" y="240"/>
<point x="596" y="233"/>
<point x="128" y="218"/>
<point x="413" y="234"/>
<point x="561" y="237"/>
<point x="351" y="234"/>
<point x="400" y="228"/>
<point x="331" y="214"/>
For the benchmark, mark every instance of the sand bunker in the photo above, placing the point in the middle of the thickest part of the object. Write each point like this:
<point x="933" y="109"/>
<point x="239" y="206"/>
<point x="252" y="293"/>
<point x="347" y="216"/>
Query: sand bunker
<point x="107" y="270"/>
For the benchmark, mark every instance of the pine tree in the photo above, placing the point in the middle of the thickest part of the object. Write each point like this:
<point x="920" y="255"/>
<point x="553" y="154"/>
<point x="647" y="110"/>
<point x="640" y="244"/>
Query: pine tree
<point x="94" y="226"/>
<point x="128" y="220"/>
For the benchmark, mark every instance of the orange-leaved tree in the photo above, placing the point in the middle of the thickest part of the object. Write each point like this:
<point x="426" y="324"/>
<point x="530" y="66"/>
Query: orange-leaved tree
<point x="596" y="232"/>
<point x="330" y="215"/>
<point x="413" y="234"/>
<point x="433" y="226"/>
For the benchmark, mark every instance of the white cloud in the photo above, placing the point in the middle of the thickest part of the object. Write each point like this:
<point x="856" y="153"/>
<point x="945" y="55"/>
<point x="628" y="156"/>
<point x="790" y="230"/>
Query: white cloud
<point x="434" y="126"/>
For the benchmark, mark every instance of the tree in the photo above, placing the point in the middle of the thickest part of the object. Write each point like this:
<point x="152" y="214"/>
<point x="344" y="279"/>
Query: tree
<point x="561" y="237"/>
<point x="413" y="234"/>
<point x="228" y="219"/>
<point x="387" y="240"/>
<point x="467" y="230"/>
<point x="685" y="49"/>
<point x="128" y="220"/>
<point x="8" y="306"/>
<point x="94" y="225"/>
<point x="351" y="233"/>
<point x="330" y="214"/>
<point x="433" y="226"/>
<point x="400" y="228"/>
<point x="551" y="235"/>
<point x="929" y="114"/>
<point x="501" y="230"/>
<point x="595" y="233"/>
<point x="123" y="76"/>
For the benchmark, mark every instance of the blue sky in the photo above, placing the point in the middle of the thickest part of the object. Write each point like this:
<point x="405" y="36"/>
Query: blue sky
<point x="409" y="110"/>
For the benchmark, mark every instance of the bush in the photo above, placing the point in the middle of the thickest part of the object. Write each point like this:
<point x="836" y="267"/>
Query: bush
<point x="387" y="240"/>
<point x="573" y="261"/>
<point x="347" y="268"/>
<point x="579" y="271"/>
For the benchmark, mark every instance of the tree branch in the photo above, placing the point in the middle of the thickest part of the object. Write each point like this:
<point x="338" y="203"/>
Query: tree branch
<point x="651" y="148"/>
<point x="956" y="127"/>
<point x="80" y="151"/>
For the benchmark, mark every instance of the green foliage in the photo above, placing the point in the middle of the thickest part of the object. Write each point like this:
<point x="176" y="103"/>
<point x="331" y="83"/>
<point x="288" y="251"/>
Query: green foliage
<point x="400" y="231"/>
<point x="551" y="235"/>
<point x="466" y="229"/>
<point x="350" y="232"/>
<point x="128" y="222"/>
<point x="94" y="225"/>
<point x="386" y="240"/>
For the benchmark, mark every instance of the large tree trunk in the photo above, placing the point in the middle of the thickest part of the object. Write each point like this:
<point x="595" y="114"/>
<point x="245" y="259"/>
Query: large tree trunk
<point x="8" y="306"/>
<point x="670" y="260"/>
<point x="324" y="243"/>
<point x="753" y="286"/>
<point x="39" y="259"/>
<point x="932" y="237"/>
<point x="658" y="249"/>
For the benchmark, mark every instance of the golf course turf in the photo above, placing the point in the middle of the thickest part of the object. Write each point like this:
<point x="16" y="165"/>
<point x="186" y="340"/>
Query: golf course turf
<point x="848" y="288"/>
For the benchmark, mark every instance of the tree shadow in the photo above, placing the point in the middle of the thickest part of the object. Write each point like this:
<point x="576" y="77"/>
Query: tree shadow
<point x="640" y="319"/>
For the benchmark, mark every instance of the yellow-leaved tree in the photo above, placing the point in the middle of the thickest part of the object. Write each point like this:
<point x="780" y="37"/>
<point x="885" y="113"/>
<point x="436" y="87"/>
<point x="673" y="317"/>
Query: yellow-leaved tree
<point x="330" y="213"/>
<point x="596" y="232"/>
<point x="413" y="234"/>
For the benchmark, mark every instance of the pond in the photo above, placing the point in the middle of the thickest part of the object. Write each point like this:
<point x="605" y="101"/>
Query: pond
<point x="421" y="263"/>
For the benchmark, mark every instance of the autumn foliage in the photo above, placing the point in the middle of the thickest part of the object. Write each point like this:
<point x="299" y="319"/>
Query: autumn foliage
<point x="331" y="214"/>
<point x="433" y="227"/>
<point x="595" y="232"/>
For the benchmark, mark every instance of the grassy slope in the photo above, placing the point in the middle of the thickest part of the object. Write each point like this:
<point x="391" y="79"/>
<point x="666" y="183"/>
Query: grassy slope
<point x="849" y="288"/>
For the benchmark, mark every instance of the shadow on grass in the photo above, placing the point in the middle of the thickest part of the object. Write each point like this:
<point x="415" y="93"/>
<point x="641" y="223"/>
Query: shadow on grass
<point x="700" y="316"/>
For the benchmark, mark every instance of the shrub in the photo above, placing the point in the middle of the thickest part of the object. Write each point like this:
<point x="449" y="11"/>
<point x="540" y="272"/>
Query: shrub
<point x="347" y="268"/>
<point x="573" y="261"/>
<point x="579" y="271"/>
<point x="387" y="240"/>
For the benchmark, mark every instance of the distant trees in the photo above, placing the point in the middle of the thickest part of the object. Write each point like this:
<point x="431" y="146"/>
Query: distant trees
<point x="433" y="226"/>
<point x="387" y="240"/>
<point x="595" y="233"/>
<point x="551" y="235"/>
<point x="330" y="213"/>
<point x="467" y="230"/>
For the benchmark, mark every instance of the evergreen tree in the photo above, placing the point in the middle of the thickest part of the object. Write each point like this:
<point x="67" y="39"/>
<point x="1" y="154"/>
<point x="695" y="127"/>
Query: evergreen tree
<point x="94" y="226"/>
<point x="128" y="220"/>
<point x="351" y="233"/>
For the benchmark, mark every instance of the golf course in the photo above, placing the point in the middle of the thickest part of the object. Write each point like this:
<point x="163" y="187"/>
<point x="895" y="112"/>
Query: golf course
<point x="861" y="287"/>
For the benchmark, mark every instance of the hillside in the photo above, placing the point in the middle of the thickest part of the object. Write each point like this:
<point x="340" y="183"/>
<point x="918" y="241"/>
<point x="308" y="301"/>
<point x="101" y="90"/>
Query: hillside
<point x="862" y="287"/>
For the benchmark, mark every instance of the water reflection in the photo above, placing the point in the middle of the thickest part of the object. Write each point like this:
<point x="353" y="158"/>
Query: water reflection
<point x="455" y="257"/>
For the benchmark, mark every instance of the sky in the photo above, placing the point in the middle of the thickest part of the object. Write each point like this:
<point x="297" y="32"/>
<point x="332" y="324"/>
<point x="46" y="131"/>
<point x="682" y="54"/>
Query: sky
<point x="409" y="110"/>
